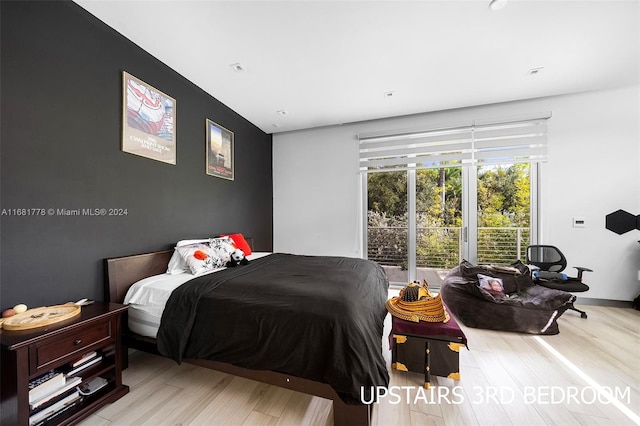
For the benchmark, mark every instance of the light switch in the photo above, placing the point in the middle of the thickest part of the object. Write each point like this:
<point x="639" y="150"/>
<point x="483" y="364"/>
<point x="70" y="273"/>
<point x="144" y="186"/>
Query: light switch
<point x="579" y="222"/>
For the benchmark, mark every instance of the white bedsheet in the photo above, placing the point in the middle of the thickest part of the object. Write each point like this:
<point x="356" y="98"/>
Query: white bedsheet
<point x="147" y="298"/>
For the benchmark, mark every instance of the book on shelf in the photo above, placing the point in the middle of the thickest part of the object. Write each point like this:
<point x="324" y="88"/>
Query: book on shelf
<point x="50" y="397"/>
<point x="45" y="384"/>
<point x="71" y="370"/>
<point x="84" y="358"/>
<point x="51" y="418"/>
<point x="55" y="409"/>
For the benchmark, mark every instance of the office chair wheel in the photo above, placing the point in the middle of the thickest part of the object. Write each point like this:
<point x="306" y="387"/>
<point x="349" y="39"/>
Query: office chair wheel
<point x="583" y="315"/>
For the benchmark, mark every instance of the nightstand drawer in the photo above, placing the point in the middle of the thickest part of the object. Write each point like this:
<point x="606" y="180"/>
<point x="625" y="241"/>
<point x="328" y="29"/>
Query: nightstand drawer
<point x="68" y="345"/>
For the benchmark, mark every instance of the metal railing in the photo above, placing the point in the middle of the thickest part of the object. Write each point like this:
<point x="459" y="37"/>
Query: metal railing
<point x="502" y="245"/>
<point x="441" y="247"/>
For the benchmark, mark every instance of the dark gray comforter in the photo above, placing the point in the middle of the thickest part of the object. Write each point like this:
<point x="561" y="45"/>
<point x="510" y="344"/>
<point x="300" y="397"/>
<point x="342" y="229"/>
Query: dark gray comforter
<point x="320" y="318"/>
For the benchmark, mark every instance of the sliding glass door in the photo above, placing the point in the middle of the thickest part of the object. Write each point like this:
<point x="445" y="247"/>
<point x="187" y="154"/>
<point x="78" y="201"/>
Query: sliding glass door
<point x="421" y="223"/>
<point x="387" y="223"/>
<point x="504" y="212"/>
<point x="439" y="221"/>
<point x="439" y="195"/>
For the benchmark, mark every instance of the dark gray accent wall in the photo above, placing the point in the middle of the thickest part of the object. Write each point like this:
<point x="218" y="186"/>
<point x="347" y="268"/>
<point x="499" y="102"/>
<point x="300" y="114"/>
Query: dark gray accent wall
<point x="61" y="118"/>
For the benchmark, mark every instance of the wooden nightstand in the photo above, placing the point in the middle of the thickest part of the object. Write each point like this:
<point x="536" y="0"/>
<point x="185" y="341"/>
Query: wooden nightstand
<point x="29" y="354"/>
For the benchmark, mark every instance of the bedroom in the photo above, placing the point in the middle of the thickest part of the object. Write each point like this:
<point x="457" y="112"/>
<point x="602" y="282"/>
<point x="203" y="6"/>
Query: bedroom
<point x="61" y="115"/>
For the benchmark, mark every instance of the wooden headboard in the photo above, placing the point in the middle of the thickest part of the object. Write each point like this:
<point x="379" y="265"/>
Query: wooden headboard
<point x="122" y="272"/>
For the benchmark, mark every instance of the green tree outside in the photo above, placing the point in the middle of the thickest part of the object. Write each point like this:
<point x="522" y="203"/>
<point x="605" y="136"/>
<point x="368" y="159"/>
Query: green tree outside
<point x="503" y="202"/>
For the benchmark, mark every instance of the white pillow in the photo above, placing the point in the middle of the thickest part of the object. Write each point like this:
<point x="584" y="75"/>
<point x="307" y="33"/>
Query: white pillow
<point x="177" y="264"/>
<point x="223" y="247"/>
<point x="201" y="258"/>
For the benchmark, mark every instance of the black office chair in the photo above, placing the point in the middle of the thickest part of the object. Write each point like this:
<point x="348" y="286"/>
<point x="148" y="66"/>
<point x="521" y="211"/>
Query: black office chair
<point x="551" y="262"/>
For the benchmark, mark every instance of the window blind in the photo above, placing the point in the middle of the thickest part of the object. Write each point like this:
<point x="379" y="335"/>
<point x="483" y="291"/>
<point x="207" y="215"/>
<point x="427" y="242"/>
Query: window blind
<point x="476" y="143"/>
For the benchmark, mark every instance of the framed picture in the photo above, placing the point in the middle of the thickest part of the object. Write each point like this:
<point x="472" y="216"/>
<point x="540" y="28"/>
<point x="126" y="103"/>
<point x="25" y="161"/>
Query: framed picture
<point x="148" y="122"/>
<point x="219" y="151"/>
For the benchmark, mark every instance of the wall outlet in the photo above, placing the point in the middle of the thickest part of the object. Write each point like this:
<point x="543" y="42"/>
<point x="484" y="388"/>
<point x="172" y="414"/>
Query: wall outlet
<point x="579" y="222"/>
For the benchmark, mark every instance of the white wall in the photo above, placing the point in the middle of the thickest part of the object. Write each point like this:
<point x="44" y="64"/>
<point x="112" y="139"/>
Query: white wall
<point x="593" y="170"/>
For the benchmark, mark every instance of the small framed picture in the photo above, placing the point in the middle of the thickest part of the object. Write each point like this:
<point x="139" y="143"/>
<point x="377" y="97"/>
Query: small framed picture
<point x="148" y="122"/>
<point x="220" y="155"/>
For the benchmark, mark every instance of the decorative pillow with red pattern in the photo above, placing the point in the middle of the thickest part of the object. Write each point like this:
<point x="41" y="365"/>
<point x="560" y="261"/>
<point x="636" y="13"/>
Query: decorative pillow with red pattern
<point x="240" y="242"/>
<point x="201" y="258"/>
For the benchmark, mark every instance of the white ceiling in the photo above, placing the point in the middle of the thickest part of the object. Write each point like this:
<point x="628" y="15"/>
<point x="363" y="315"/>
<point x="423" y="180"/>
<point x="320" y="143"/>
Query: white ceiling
<point x="331" y="62"/>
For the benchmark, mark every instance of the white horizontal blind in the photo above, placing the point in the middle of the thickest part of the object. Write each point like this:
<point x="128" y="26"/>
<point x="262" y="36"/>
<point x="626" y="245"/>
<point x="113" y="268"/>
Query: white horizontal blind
<point x="473" y="144"/>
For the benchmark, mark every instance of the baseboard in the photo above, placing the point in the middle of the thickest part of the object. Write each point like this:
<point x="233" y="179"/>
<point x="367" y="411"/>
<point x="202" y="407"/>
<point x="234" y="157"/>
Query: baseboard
<point x="604" y="302"/>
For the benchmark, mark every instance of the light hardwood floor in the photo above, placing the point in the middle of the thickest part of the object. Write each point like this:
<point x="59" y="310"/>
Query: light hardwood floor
<point x="506" y="379"/>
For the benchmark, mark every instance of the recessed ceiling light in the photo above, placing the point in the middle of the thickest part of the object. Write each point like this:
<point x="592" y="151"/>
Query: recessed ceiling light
<point x="534" y="71"/>
<point x="497" y="4"/>
<point x="238" y="67"/>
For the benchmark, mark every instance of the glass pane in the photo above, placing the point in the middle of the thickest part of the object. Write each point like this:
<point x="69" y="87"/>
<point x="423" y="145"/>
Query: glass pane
<point x="387" y="223"/>
<point x="503" y="213"/>
<point x="438" y="221"/>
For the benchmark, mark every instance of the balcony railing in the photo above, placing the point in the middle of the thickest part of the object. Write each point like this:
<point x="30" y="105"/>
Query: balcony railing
<point x="441" y="247"/>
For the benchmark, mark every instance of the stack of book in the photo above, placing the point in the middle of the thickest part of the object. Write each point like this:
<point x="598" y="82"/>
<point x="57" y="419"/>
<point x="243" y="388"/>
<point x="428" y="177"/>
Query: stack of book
<point x="52" y="394"/>
<point x="56" y="391"/>
<point x="59" y="406"/>
<point x="87" y="360"/>
<point x="45" y="384"/>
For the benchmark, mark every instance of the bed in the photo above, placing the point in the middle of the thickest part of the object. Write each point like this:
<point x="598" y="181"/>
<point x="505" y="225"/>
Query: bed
<point x="272" y="321"/>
